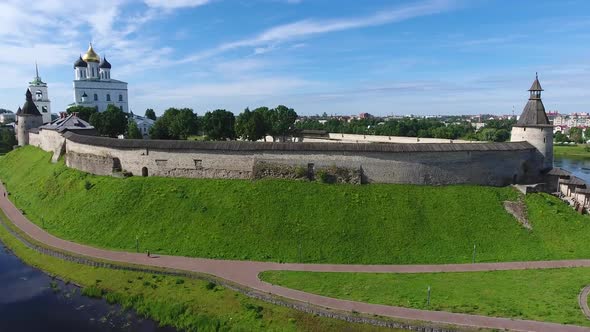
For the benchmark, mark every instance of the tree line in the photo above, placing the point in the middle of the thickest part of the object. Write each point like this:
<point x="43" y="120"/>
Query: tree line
<point x="279" y="123"/>
<point x="182" y="123"/>
<point x="494" y="130"/>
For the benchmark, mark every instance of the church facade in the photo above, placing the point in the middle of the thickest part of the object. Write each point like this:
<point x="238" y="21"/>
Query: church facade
<point x="40" y="95"/>
<point x="93" y="85"/>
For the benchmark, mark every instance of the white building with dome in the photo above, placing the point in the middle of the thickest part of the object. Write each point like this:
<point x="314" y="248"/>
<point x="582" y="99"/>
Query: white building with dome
<point x="93" y="85"/>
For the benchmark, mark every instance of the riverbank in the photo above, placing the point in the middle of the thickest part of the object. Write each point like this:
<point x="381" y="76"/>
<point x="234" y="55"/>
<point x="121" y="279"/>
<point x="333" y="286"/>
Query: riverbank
<point x="183" y="303"/>
<point x="572" y="151"/>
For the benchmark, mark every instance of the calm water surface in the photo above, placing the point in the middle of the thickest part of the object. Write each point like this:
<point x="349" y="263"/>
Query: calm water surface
<point x="29" y="303"/>
<point x="579" y="167"/>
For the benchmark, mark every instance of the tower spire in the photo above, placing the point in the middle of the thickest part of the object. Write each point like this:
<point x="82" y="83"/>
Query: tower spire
<point x="36" y="70"/>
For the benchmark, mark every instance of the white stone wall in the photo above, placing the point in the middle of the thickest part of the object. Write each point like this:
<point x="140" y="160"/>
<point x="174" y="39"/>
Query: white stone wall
<point x="388" y="139"/>
<point x="539" y="137"/>
<point x="48" y="140"/>
<point x="452" y="167"/>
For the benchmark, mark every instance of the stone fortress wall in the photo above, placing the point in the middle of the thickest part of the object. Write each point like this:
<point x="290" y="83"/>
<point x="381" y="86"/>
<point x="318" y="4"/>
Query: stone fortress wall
<point x="495" y="164"/>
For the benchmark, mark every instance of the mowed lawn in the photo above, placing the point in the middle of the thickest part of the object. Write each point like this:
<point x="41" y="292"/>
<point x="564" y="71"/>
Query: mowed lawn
<point x="289" y="221"/>
<point x="544" y="295"/>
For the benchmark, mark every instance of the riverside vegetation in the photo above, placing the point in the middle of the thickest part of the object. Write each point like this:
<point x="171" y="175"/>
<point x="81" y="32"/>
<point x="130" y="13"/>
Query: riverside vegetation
<point x="184" y="303"/>
<point x="290" y="221"/>
<point x="543" y="295"/>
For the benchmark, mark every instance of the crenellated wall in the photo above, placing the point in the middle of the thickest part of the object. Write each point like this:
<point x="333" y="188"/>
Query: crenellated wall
<point x="495" y="164"/>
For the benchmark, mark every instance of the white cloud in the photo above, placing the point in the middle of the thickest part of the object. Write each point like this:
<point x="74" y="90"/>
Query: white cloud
<point x="173" y="4"/>
<point x="307" y="28"/>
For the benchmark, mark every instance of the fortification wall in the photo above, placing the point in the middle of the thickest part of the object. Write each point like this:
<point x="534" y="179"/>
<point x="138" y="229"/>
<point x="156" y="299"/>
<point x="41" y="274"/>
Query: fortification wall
<point x="495" y="164"/>
<point x="388" y="139"/>
<point x="48" y="140"/>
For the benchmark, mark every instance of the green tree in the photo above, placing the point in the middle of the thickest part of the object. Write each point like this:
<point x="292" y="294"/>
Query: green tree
<point x="560" y="137"/>
<point x="175" y="124"/>
<point x="219" y="125"/>
<point x="112" y="122"/>
<point x="250" y="125"/>
<point x="84" y="112"/>
<point x="283" y="121"/>
<point x="265" y="114"/>
<point x="133" y="131"/>
<point x="576" y="135"/>
<point x="150" y="114"/>
<point x="7" y="139"/>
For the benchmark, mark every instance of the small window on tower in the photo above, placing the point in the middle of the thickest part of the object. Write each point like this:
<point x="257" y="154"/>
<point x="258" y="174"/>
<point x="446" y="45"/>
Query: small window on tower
<point x="38" y="94"/>
<point x="44" y="109"/>
<point x="95" y="97"/>
<point x="108" y="97"/>
<point x="120" y="97"/>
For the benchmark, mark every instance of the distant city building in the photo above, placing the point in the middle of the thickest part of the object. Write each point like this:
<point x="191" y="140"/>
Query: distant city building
<point x="7" y="117"/>
<point x="40" y="96"/>
<point x="93" y="85"/>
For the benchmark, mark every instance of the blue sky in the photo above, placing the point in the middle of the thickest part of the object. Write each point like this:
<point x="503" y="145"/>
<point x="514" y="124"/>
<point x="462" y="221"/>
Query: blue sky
<point x="340" y="57"/>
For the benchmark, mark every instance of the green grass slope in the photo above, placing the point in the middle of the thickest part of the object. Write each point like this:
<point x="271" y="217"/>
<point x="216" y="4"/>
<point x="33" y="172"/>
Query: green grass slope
<point x="288" y="220"/>
<point x="544" y="295"/>
<point x="187" y="304"/>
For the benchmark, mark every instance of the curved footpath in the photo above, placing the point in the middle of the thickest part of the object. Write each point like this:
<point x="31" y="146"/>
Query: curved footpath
<point x="246" y="273"/>
<point x="583" y="301"/>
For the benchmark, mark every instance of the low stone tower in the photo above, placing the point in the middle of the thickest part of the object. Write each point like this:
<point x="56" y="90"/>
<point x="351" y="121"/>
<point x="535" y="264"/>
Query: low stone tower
<point x="534" y="127"/>
<point x="27" y="118"/>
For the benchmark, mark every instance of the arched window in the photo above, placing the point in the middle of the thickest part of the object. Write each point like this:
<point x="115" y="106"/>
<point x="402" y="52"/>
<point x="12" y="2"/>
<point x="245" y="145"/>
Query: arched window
<point x="38" y="94"/>
<point x="44" y="109"/>
<point x="108" y="97"/>
<point x="120" y="97"/>
<point x="95" y="97"/>
<point x="93" y="72"/>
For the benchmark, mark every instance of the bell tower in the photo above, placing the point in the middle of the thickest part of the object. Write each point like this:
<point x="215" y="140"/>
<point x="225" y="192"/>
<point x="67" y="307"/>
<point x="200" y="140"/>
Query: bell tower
<point x="38" y="89"/>
<point x="534" y="127"/>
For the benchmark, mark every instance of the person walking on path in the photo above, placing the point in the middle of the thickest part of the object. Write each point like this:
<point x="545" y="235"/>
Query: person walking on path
<point x="148" y="253"/>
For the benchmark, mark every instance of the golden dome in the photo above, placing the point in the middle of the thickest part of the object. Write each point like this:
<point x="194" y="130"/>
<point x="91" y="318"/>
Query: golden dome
<point x="90" y="55"/>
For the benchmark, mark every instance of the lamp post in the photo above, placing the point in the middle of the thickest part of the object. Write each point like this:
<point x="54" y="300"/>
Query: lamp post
<point x="136" y="243"/>
<point x="428" y="297"/>
<point x="474" y="252"/>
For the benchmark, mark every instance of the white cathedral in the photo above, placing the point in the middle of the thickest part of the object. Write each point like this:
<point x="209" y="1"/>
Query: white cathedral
<point x="93" y="85"/>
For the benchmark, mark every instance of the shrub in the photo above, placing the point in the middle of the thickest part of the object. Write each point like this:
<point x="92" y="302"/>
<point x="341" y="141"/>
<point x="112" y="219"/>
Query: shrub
<point x="210" y="285"/>
<point x="88" y="185"/>
<point x="300" y="172"/>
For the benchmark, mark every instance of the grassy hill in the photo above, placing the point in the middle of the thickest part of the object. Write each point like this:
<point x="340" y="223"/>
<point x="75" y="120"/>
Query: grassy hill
<point x="287" y="220"/>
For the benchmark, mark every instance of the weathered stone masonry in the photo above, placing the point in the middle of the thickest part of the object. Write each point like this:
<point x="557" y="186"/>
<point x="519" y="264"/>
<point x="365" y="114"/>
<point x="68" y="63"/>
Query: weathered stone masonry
<point x="496" y="164"/>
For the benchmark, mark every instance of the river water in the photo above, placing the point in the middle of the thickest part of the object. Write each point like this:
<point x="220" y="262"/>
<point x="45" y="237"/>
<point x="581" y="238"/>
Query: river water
<point x="578" y="167"/>
<point x="30" y="300"/>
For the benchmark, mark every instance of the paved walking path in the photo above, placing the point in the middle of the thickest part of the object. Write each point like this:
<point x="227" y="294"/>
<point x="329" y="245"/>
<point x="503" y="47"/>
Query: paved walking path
<point x="583" y="301"/>
<point x="246" y="273"/>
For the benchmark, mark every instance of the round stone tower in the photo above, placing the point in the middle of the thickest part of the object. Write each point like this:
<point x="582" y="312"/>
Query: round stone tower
<point x="534" y="127"/>
<point x="27" y="118"/>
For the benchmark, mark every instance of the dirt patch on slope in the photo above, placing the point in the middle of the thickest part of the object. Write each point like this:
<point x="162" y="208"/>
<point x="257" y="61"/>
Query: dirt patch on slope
<point x="518" y="210"/>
